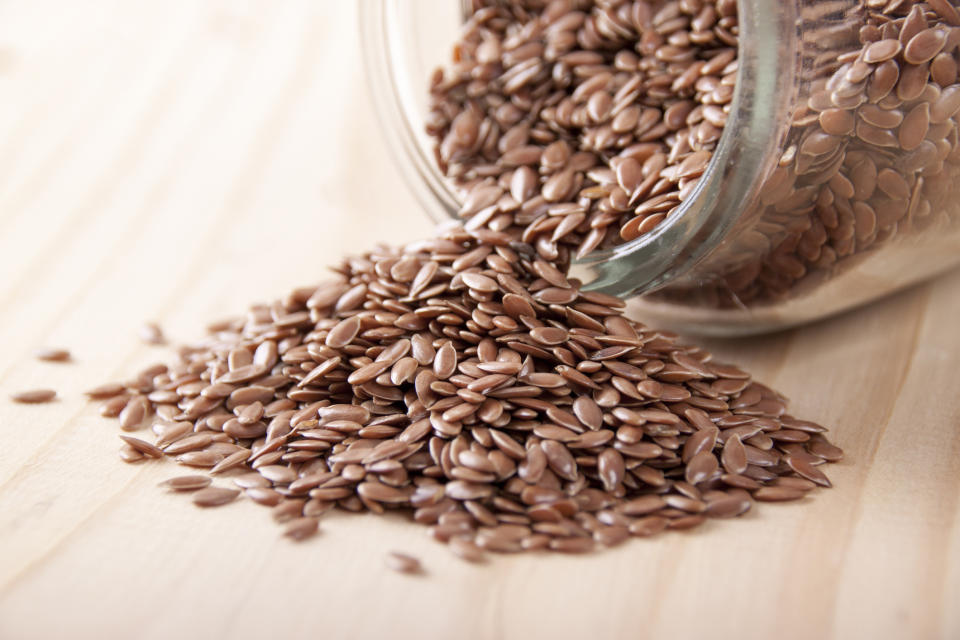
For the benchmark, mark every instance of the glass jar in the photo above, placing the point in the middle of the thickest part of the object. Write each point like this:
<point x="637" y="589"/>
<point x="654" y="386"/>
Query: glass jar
<point x="832" y="183"/>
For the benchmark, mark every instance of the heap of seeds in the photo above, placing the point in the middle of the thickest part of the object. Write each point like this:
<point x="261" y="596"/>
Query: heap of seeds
<point x="585" y="123"/>
<point x="468" y="381"/>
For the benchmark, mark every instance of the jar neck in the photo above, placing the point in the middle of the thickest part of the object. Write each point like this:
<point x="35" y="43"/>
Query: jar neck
<point x="764" y="99"/>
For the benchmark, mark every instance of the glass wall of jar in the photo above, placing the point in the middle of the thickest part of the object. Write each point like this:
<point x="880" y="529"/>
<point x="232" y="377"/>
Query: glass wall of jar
<point x="836" y="179"/>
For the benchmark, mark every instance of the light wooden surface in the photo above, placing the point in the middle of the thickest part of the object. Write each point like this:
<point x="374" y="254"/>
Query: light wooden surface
<point x="155" y="160"/>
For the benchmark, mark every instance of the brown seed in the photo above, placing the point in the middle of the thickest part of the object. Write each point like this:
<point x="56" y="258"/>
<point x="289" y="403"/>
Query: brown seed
<point x="264" y="496"/>
<point x="320" y="371"/>
<point x="186" y="483"/>
<point x="199" y="459"/>
<point x="943" y="69"/>
<point x="108" y="390"/>
<point x="702" y="467"/>
<point x="611" y="468"/>
<point x="143" y="447"/>
<point x="34" y="396"/>
<point x="51" y="354"/>
<point x="837" y="122"/>
<point x="777" y="494"/>
<point x="947" y="105"/>
<point x="559" y="459"/>
<point x="881" y="50"/>
<point x="214" y="496"/>
<point x="549" y="335"/>
<point x="727" y="507"/>
<point x="915" y="126"/>
<point x="445" y="362"/>
<point x="558" y="186"/>
<point x="546" y="380"/>
<point x="232" y="461"/>
<point x="403" y="563"/>
<point x="343" y="333"/>
<point x="572" y="545"/>
<point x="130" y="455"/>
<point x="734" y="456"/>
<point x="588" y="412"/>
<point x="825" y="450"/>
<point x="643" y="505"/>
<point x="804" y="468"/>
<point x="648" y="526"/>
<point x="611" y="536"/>
<point x="479" y="282"/>
<point x="134" y="412"/>
<point x="190" y="443"/>
<point x="924" y="46"/>
<point x="250" y="413"/>
<point x="151" y="333"/>
<point x="301" y="528"/>
<point x="466" y="549"/>
<point x="698" y="442"/>
<point x="946" y="11"/>
<point x="277" y="474"/>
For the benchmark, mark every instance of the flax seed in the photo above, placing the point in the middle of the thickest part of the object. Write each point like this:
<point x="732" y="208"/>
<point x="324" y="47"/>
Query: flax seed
<point x="186" y="483"/>
<point x="34" y="396"/>
<point x="51" y="354"/>
<point x="214" y="496"/>
<point x="403" y="563"/>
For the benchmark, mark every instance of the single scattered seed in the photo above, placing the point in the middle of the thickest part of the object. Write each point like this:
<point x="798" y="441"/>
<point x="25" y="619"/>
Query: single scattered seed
<point x="403" y="563"/>
<point x="34" y="396"/>
<point x="151" y="333"/>
<point x="51" y="354"/>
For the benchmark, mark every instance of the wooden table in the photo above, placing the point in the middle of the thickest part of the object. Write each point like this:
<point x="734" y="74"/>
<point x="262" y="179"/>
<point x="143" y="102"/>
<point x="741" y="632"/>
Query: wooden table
<point x="156" y="157"/>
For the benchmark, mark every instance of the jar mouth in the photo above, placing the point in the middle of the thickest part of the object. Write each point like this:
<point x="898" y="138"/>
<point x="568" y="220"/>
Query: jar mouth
<point x="765" y="90"/>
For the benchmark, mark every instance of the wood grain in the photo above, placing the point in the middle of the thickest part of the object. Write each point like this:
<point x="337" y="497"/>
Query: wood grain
<point x="155" y="158"/>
